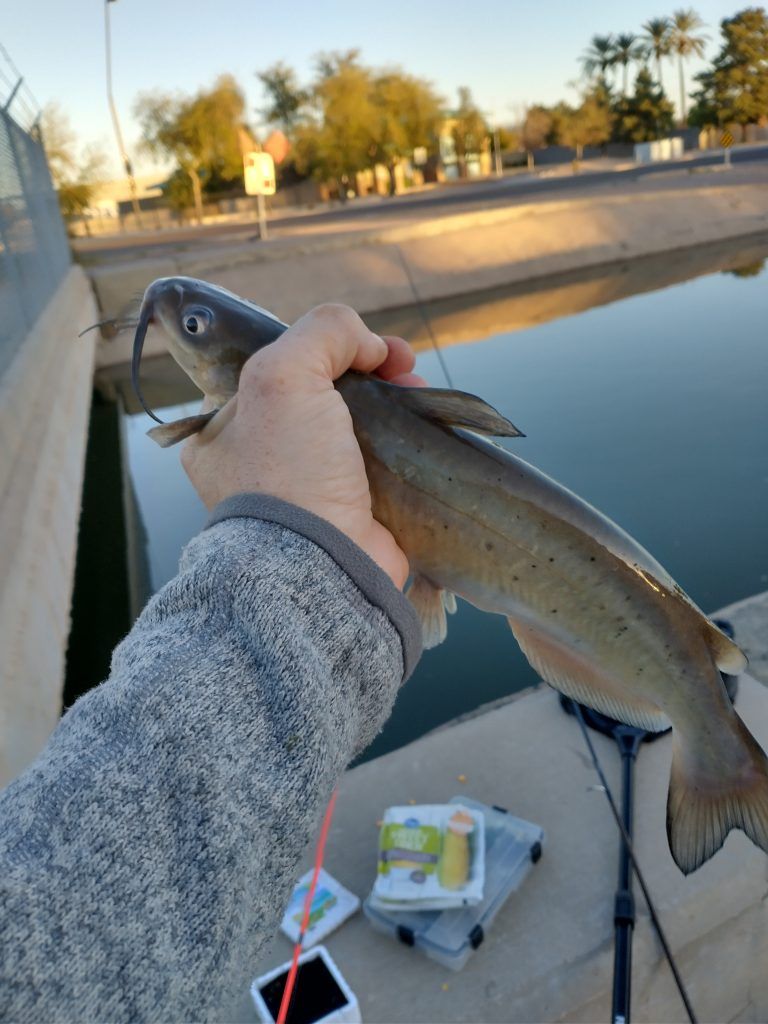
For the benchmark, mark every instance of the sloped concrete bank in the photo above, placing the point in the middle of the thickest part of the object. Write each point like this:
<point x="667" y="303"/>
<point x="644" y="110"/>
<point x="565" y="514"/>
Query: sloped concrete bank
<point x="451" y="255"/>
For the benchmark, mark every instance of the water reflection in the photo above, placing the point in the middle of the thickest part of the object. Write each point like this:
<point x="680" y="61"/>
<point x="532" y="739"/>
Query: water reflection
<point x="652" y="408"/>
<point x="748" y="269"/>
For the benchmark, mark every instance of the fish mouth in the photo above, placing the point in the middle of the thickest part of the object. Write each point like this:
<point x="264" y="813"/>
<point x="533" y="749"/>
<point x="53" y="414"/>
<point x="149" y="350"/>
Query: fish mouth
<point x="145" y="319"/>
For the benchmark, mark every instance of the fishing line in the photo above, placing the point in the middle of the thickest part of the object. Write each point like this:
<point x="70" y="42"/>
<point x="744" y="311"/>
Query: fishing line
<point x="425" y="317"/>
<point x="290" y="983"/>
<point x="635" y="865"/>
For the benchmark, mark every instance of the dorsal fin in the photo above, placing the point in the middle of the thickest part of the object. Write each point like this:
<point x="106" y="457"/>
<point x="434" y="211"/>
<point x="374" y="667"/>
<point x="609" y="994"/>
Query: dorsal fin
<point x="458" y="409"/>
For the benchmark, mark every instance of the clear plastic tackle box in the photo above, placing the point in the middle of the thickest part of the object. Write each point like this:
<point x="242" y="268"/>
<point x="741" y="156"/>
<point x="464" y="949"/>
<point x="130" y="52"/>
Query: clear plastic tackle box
<point x="512" y="847"/>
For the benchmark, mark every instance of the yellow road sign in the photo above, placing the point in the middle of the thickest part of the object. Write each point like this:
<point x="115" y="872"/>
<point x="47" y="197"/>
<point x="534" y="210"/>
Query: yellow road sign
<point x="726" y="140"/>
<point x="259" y="174"/>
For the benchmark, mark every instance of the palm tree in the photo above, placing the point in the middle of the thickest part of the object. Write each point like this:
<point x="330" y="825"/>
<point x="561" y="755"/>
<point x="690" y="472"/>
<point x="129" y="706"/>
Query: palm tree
<point x="627" y="48"/>
<point x="684" y="42"/>
<point x="599" y="56"/>
<point x="657" y="39"/>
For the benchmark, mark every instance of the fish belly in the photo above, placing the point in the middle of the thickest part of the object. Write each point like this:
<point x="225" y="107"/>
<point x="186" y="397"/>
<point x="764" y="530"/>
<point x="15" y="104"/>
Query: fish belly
<point x="588" y="623"/>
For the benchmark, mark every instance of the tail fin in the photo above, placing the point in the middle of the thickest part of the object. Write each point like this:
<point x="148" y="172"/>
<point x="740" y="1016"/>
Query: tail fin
<point x="700" y="813"/>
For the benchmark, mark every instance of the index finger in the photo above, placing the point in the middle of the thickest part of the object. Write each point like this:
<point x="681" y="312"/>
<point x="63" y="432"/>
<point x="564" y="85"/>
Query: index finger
<point x="330" y="340"/>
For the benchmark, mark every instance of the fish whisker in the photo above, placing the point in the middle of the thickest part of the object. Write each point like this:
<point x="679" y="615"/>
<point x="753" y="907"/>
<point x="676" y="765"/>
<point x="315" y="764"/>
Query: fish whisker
<point x="116" y="322"/>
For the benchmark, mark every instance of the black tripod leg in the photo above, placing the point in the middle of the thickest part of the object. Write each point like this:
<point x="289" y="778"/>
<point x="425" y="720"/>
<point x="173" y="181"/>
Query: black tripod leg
<point x="629" y="741"/>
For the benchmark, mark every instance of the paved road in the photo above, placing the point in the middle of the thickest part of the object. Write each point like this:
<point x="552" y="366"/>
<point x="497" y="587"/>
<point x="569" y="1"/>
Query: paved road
<point x="508" y="190"/>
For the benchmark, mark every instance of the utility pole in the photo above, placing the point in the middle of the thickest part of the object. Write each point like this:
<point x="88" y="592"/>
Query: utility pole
<point x="497" y="153"/>
<point x="115" y="121"/>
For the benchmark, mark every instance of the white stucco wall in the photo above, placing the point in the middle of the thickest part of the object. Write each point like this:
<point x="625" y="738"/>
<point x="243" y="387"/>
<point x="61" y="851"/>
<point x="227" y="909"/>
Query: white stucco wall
<point x="45" y="397"/>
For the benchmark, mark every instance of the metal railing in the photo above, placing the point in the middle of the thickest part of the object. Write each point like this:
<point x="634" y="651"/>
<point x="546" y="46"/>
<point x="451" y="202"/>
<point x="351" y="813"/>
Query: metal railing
<point x="34" y="250"/>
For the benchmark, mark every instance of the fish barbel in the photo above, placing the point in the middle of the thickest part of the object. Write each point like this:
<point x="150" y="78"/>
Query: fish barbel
<point x="596" y="615"/>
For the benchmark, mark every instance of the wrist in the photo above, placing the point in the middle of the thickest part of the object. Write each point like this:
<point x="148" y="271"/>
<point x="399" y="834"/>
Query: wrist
<point x="370" y="577"/>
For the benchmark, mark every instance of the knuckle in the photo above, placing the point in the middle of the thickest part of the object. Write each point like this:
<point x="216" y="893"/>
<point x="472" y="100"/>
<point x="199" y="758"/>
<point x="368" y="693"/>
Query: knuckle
<point x="265" y="372"/>
<point x="336" y="314"/>
<point x="253" y="368"/>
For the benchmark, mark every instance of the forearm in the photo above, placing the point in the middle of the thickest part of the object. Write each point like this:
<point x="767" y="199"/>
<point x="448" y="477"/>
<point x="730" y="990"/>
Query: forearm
<point x="148" y="854"/>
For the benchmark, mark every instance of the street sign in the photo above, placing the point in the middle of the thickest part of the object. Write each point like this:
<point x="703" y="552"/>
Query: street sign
<point x="259" y="171"/>
<point x="726" y="140"/>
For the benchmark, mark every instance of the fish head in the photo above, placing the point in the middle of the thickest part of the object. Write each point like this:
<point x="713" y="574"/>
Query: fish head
<point x="209" y="331"/>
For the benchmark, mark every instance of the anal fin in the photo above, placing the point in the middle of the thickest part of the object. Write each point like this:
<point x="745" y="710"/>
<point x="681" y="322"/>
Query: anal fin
<point x="431" y="604"/>
<point x="571" y="674"/>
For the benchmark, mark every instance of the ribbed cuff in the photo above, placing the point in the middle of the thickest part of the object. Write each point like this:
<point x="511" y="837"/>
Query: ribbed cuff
<point x="371" y="579"/>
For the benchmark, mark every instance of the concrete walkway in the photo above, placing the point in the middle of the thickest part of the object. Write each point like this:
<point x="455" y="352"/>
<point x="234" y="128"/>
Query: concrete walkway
<point x="548" y="956"/>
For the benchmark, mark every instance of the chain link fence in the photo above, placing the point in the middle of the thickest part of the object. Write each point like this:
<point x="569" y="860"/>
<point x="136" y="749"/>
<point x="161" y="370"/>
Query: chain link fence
<point x="34" y="250"/>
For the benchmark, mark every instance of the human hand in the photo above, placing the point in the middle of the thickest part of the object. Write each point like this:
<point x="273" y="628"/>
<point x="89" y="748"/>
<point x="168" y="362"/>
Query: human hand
<point x="288" y="432"/>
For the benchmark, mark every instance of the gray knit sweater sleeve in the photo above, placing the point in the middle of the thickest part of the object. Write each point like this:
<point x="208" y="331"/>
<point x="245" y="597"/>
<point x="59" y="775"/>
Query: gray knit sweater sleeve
<point x="147" y="855"/>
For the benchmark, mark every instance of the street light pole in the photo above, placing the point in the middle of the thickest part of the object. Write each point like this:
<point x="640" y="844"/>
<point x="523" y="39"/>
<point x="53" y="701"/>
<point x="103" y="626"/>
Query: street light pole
<point x="115" y="121"/>
<point x="497" y="153"/>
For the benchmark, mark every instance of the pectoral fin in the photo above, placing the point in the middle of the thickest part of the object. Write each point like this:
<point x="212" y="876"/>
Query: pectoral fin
<point x="168" y="434"/>
<point x="571" y="674"/>
<point x="431" y="603"/>
<point x="458" y="409"/>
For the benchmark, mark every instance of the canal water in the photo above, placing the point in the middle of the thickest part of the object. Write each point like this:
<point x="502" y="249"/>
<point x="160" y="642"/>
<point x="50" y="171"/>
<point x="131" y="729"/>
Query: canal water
<point x="651" y="406"/>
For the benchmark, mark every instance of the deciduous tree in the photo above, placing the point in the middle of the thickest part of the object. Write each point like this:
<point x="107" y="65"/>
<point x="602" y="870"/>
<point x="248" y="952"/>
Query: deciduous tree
<point x="335" y="139"/>
<point x="735" y="90"/>
<point x="201" y="134"/>
<point x="536" y="128"/>
<point x="470" y="129"/>
<point x="589" y="124"/>
<point x="286" y="98"/>
<point x="409" y="112"/>
<point x="75" y="173"/>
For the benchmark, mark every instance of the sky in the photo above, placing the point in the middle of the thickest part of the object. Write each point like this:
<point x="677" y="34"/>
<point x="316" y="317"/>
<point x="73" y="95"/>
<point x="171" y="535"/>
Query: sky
<point x="509" y="52"/>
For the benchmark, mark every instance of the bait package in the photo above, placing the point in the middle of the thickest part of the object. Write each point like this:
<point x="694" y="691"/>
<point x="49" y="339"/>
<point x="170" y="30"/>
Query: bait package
<point x="431" y="857"/>
<point x="332" y="904"/>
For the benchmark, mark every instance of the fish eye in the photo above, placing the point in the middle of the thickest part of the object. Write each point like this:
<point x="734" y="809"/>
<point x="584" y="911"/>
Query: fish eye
<point x="196" y="321"/>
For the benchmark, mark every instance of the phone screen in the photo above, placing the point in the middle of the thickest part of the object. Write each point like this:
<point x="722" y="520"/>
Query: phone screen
<point x="315" y="994"/>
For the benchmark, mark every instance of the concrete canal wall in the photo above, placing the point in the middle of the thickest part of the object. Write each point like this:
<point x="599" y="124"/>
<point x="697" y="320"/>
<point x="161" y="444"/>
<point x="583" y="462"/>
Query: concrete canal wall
<point x="45" y="398"/>
<point x="438" y="257"/>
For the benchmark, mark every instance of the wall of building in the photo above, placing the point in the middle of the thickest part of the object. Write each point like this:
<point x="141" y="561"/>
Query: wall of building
<point x="45" y="396"/>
